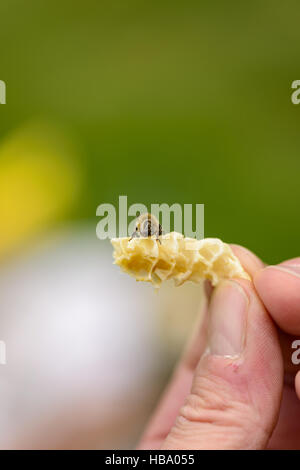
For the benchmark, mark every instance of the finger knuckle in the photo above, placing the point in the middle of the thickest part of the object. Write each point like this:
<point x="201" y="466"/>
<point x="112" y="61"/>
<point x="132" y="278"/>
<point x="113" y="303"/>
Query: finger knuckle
<point x="213" y="407"/>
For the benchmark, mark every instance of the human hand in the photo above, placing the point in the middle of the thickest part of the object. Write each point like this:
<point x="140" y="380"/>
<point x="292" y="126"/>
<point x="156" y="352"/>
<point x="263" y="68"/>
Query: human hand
<point x="226" y="391"/>
<point x="279" y="289"/>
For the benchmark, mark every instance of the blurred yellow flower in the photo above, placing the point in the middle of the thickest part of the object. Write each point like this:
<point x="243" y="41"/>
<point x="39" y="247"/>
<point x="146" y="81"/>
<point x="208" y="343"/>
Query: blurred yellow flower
<point x="39" y="182"/>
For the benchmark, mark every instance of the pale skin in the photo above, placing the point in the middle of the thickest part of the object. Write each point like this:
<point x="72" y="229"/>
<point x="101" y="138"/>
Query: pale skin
<point x="235" y="386"/>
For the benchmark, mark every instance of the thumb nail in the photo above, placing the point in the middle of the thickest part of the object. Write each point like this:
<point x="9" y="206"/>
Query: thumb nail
<point x="228" y="320"/>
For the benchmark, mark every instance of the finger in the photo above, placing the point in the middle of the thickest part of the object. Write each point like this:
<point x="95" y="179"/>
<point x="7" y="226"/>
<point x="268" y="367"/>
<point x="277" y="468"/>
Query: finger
<point x="292" y="262"/>
<point x="291" y="367"/>
<point x="287" y="432"/>
<point x="297" y="384"/>
<point x="250" y="262"/>
<point x="236" y="390"/>
<point x="279" y="289"/>
<point x="180" y="384"/>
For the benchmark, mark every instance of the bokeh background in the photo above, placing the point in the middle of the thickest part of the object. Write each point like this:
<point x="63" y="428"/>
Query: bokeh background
<point x="163" y="101"/>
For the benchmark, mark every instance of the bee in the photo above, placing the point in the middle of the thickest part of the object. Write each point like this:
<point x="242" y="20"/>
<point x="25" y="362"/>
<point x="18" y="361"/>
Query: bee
<point x="146" y="226"/>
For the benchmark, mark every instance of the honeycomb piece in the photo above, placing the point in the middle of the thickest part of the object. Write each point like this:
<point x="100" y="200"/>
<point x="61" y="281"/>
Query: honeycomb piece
<point x="178" y="258"/>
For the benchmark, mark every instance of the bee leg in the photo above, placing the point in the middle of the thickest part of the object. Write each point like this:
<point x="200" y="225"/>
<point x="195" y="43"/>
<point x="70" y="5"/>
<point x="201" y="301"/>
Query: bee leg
<point x="158" y="240"/>
<point x="134" y="235"/>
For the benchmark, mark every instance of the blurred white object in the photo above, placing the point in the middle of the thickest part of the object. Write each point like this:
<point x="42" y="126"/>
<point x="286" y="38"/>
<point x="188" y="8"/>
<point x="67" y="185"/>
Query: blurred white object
<point x="82" y="347"/>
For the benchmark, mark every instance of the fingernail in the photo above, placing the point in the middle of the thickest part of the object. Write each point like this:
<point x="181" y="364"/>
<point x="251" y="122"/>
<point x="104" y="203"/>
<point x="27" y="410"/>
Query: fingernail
<point x="293" y="269"/>
<point x="228" y="319"/>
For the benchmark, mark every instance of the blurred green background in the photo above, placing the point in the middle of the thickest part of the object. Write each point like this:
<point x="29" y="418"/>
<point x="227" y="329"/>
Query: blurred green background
<point x="163" y="101"/>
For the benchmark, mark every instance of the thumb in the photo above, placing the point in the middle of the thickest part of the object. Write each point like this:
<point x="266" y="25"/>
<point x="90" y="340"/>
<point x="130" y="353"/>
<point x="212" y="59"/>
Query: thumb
<point x="235" y="395"/>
